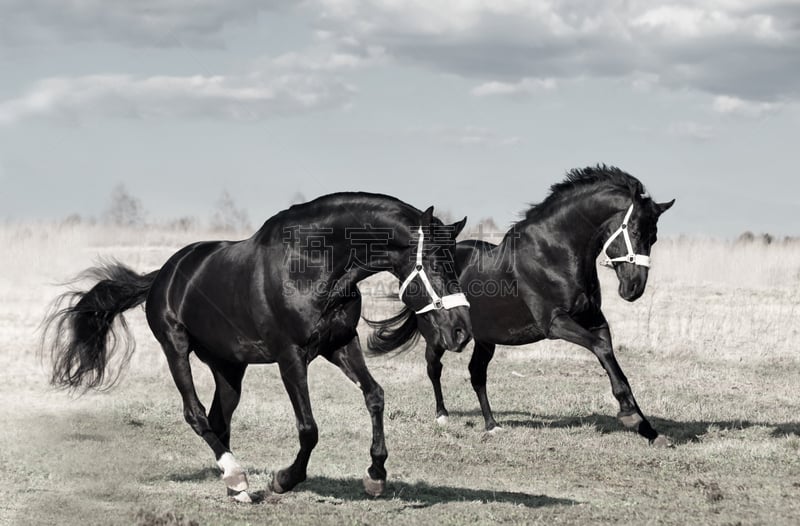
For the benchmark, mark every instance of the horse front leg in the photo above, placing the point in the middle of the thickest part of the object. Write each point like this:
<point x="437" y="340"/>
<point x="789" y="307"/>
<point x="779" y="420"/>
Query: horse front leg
<point x="433" y="355"/>
<point x="294" y="373"/>
<point x="350" y="359"/>
<point x="598" y="340"/>
<point x="629" y="413"/>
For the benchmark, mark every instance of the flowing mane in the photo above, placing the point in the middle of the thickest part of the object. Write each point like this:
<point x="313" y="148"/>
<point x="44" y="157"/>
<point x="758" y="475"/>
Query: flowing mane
<point x="581" y="180"/>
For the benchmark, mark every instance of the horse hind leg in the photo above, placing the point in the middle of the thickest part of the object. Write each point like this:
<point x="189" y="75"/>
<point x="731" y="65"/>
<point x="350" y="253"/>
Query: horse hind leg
<point x="174" y="341"/>
<point x="482" y="354"/>
<point x="228" y="379"/>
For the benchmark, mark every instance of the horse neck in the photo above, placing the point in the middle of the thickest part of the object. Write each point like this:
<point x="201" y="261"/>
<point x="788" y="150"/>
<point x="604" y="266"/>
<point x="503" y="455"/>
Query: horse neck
<point x="577" y="223"/>
<point x="344" y="222"/>
<point x="382" y="247"/>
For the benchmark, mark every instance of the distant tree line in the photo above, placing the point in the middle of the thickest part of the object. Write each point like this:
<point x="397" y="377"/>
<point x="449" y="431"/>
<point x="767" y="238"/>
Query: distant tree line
<point x="765" y="238"/>
<point x="126" y="210"/>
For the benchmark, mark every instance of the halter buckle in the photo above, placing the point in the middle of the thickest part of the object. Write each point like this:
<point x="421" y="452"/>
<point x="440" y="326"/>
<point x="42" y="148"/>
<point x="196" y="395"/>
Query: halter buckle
<point x="438" y="305"/>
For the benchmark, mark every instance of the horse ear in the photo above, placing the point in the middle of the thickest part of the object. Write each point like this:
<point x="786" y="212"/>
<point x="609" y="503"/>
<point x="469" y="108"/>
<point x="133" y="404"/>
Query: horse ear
<point x="458" y="226"/>
<point x="663" y="207"/>
<point x="427" y="217"/>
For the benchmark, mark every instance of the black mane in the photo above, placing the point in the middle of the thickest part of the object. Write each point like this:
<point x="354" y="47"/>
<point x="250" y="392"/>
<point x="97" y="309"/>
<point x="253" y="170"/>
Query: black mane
<point x="582" y="179"/>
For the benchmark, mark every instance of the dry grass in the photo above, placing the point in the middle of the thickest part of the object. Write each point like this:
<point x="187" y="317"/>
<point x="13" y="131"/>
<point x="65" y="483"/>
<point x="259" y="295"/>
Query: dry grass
<point x="711" y="351"/>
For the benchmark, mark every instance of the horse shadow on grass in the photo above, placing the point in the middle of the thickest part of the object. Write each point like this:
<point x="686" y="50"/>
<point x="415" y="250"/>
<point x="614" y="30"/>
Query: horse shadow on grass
<point x="677" y="431"/>
<point x="423" y="495"/>
<point x="415" y="495"/>
<point x="207" y="473"/>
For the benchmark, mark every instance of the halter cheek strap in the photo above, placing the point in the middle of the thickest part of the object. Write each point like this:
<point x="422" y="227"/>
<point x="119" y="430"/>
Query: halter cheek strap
<point x="445" y="302"/>
<point x="631" y="256"/>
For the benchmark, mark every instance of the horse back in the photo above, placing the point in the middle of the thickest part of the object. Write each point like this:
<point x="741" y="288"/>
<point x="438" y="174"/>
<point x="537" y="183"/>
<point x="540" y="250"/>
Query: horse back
<point x="498" y="313"/>
<point x="211" y="288"/>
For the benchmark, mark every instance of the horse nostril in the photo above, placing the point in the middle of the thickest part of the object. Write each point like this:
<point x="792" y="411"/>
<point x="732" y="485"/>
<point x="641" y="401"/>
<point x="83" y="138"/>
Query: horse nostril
<point x="459" y="336"/>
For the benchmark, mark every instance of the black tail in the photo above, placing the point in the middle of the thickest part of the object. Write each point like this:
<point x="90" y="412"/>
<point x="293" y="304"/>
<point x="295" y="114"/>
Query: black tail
<point x="77" y="335"/>
<point x="398" y="331"/>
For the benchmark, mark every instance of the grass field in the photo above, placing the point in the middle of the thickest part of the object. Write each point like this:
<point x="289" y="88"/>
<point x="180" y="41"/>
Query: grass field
<point x="710" y="349"/>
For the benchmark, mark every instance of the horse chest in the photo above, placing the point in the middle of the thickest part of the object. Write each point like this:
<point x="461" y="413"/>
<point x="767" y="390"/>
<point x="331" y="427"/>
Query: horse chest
<point x="336" y="327"/>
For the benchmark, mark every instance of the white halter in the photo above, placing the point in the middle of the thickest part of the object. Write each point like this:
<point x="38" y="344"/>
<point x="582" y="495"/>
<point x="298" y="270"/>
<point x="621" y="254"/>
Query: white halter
<point x="445" y="302"/>
<point x="631" y="256"/>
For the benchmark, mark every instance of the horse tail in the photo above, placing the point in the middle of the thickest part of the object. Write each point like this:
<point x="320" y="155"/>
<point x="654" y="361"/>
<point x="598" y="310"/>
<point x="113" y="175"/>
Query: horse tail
<point x="81" y="337"/>
<point x="398" y="331"/>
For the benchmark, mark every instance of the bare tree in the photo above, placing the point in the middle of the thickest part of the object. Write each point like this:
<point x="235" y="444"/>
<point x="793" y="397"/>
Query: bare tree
<point x="124" y="209"/>
<point x="297" y="198"/>
<point x="487" y="230"/>
<point x="229" y="217"/>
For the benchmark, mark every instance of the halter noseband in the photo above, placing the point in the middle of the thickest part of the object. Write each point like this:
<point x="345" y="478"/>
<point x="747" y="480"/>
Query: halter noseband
<point x="445" y="302"/>
<point x="631" y="256"/>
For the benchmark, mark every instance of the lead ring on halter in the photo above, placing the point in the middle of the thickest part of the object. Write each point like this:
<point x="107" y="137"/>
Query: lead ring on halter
<point x="631" y="256"/>
<point x="447" y="302"/>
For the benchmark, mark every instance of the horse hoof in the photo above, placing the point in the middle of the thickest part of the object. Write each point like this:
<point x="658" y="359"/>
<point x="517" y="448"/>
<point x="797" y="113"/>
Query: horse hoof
<point x="241" y="496"/>
<point x="374" y="487"/>
<point x="630" y="421"/>
<point x="660" y="441"/>
<point x="236" y="481"/>
<point x="442" y="420"/>
<point x="495" y="430"/>
<point x="275" y="486"/>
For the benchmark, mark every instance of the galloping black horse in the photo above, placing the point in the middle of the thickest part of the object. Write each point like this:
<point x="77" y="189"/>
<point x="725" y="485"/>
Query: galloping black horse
<point x="286" y="295"/>
<point x="541" y="282"/>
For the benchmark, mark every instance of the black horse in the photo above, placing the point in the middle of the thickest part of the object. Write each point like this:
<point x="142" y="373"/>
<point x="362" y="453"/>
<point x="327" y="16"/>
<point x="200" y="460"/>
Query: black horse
<point x="541" y="282"/>
<point x="286" y="295"/>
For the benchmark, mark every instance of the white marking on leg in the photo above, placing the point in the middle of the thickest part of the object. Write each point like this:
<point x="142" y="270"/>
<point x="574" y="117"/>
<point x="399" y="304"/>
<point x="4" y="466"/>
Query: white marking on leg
<point x="227" y="463"/>
<point x="442" y="420"/>
<point x="232" y="473"/>
<point x="495" y="430"/>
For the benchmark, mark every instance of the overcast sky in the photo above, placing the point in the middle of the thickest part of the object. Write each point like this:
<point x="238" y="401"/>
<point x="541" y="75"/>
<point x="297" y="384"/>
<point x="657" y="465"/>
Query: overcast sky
<point x="476" y="107"/>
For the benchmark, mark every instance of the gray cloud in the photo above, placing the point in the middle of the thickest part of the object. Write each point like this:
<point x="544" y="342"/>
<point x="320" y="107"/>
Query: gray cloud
<point x="737" y="48"/>
<point x="157" y="23"/>
<point x="296" y="82"/>
<point x="241" y="98"/>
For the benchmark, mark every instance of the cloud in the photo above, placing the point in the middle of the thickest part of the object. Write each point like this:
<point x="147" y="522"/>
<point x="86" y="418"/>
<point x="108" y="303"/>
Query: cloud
<point x="735" y="106"/>
<point x="743" y="49"/>
<point x="156" y="23"/>
<point x="296" y="82"/>
<point x="327" y="59"/>
<point x="241" y="98"/>
<point x="524" y="87"/>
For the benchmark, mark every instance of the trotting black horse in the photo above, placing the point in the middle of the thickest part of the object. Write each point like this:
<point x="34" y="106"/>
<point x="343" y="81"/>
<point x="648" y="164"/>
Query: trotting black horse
<point x="541" y="282"/>
<point x="286" y="295"/>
